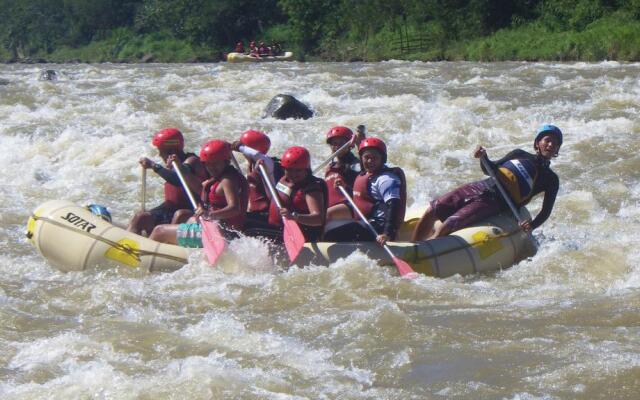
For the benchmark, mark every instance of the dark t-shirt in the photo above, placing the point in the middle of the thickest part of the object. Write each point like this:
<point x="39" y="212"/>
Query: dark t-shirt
<point x="547" y="182"/>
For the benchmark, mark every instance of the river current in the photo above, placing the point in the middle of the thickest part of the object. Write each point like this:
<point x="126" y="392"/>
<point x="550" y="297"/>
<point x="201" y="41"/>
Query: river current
<point x="564" y="324"/>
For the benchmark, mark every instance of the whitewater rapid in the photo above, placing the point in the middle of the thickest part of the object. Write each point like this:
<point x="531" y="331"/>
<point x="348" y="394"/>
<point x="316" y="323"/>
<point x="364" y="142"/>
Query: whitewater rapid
<point x="561" y="325"/>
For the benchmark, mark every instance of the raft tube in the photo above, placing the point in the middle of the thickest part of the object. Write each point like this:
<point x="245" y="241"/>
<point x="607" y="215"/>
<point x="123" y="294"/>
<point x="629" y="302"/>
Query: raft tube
<point x="492" y="244"/>
<point x="240" y="57"/>
<point x="71" y="238"/>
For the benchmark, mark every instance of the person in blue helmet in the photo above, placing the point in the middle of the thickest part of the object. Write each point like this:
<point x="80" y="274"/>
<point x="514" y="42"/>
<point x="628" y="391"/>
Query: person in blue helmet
<point x="522" y="174"/>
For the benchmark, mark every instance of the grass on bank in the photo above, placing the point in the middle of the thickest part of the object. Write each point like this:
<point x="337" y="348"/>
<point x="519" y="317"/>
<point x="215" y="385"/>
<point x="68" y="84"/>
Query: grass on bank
<point x="125" y="46"/>
<point x="615" y="37"/>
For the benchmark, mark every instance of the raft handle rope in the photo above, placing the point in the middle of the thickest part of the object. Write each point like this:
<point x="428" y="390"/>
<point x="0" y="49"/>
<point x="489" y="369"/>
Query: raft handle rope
<point x="118" y="246"/>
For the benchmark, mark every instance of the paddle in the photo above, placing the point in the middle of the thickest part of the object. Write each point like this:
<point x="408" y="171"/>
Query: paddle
<point x="213" y="242"/>
<point x="235" y="163"/>
<point x="403" y="267"/>
<point x="361" y="129"/>
<point x="487" y="165"/>
<point x="293" y="237"/>
<point x="143" y="189"/>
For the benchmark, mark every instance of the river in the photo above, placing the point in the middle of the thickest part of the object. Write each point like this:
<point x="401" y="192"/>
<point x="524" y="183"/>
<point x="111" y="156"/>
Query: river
<point x="564" y="324"/>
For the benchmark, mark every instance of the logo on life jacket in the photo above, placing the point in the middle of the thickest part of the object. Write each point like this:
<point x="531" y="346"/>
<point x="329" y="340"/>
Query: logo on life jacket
<point x="79" y="222"/>
<point x="281" y="187"/>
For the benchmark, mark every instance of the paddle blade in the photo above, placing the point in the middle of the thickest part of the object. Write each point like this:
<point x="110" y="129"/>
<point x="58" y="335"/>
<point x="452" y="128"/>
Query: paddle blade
<point x="293" y="238"/>
<point x="212" y="240"/>
<point x="405" y="269"/>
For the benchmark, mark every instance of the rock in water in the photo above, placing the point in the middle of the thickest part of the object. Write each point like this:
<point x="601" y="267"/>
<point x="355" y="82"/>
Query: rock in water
<point x="47" y="75"/>
<point x="284" y="106"/>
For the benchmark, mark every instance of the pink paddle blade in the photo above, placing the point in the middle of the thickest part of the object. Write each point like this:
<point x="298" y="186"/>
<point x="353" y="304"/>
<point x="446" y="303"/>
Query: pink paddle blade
<point x="405" y="269"/>
<point x="212" y="240"/>
<point x="293" y="238"/>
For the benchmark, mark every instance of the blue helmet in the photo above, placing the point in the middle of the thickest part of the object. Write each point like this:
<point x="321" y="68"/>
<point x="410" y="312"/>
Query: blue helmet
<point x="100" y="211"/>
<point x="547" y="129"/>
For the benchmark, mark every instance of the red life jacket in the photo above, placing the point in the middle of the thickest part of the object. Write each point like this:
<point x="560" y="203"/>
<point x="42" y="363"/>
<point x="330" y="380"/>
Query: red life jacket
<point x="293" y="196"/>
<point x="343" y="170"/>
<point x="258" y="200"/>
<point x="366" y="203"/>
<point x="218" y="201"/>
<point x="175" y="196"/>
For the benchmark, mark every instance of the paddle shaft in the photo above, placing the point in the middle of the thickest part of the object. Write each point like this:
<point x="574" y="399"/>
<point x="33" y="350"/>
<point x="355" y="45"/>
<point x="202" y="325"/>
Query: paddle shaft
<point x="185" y="186"/>
<point x="143" y="189"/>
<point x="235" y="163"/>
<point x="487" y="165"/>
<point x="360" y="128"/>
<point x="403" y="267"/>
<point x="272" y="190"/>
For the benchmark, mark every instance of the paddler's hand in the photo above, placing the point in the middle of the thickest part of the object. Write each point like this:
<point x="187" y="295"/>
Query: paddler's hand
<point x="146" y="163"/>
<point x="526" y="225"/>
<point x="173" y="158"/>
<point x="479" y="152"/>
<point x="235" y="146"/>
<point x="359" y="136"/>
<point x="288" y="214"/>
<point x="198" y="212"/>
<point x="338" y="182"/>
<point x="382" y="239"/>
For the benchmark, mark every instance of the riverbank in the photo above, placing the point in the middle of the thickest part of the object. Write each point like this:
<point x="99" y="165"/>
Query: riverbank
<point x="615" y="37"/>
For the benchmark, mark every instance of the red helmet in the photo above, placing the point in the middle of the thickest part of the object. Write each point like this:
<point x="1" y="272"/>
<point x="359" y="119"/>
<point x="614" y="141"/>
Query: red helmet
<point x="339" y="131"/>
<point x="373" y="143"/>
<point x="296" y="157"/>
<point x="256" y="140"/>
<point x="215" y="150"/>
<point x="169" y="138"/>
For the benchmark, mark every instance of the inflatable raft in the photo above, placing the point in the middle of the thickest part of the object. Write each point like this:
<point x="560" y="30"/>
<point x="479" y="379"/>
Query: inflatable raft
<point x="71" y="238"/>
<point x="241" y="57"/>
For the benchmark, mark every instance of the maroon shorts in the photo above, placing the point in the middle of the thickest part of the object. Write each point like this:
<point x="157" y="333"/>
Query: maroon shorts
<point x="467" y="204"/>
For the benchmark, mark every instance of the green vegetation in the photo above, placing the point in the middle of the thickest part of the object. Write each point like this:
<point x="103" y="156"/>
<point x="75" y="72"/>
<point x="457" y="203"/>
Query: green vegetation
<point x="341" y="30"/>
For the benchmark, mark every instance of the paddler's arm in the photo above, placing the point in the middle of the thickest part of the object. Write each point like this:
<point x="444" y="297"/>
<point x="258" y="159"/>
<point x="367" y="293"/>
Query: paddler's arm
<point x="547" y="204"/>
<point x="316" y="216"/>
<point x="232" y="209"/>
<point x="393" y="210"/>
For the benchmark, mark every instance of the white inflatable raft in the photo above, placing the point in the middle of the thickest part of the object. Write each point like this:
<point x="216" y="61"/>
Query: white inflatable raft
<point x="241" y="57"/>
<point x="71" y="238"/>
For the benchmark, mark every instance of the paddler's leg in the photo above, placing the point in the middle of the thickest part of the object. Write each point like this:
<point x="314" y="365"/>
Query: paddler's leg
<point x="424" y="227"/>
<point x="181" y="216"/>
<point x="142" y="221"/>
<point x="166" y="233"/>
<point x="339" y="211"/>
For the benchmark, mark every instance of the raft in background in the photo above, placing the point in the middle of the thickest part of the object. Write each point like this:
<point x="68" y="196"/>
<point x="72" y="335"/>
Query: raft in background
<point x="241" y="57"/>
<point x="71" y="238"/>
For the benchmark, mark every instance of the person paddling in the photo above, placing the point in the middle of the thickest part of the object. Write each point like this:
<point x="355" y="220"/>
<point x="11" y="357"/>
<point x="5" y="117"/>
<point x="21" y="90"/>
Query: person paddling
<point x="170" y="145"/>
<point x="255" y="145"/>
<point x="522" y="174"/>
<point x="379" y="192"/>
<point x="224" y="199"/>
<point x="302" y="195"/>
<point x="342" y="171"/>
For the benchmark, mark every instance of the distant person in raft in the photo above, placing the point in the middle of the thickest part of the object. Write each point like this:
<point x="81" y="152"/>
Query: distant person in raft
<point x="379" y="192"/>
<point x="522" y="174"/>
<point x="170" y="145"/>
<point x="239" y="48"/>
<point x="224" y="199"/>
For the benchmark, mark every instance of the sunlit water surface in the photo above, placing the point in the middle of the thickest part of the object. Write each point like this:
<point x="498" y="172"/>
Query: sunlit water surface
<point x="562" y="325"/>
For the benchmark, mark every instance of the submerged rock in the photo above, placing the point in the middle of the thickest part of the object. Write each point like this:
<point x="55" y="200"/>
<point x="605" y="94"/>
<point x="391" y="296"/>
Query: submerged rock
<point x="284" y="106"/>
<point x="47" y="75"/>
